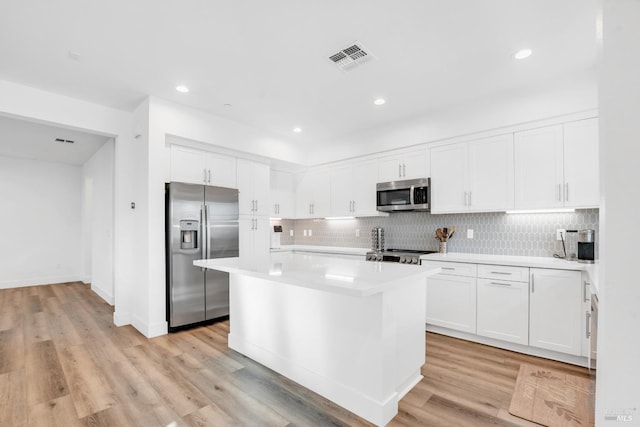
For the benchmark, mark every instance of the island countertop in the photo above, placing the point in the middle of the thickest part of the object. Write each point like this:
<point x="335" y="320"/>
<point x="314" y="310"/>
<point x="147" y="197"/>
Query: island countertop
<point x="322" y="272"/>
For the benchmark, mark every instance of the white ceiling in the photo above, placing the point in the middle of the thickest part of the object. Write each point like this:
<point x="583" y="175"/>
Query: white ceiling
<point x="35" y="141"/>
<point x="269" y="58"/>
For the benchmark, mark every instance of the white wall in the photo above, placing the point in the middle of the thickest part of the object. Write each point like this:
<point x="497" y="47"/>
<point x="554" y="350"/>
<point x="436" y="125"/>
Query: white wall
<point x="555" y="99"/>
<point x="97" y="181"/>
<point x="41" y="106"/>
<point x="41" y="222"/>
<point x="618" y="377"/>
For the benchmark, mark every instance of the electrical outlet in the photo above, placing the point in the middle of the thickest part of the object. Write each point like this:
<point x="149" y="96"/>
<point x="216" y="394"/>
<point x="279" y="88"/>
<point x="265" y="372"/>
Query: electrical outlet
<point x="469" y="233"/>
<point x="310" y="233"/>
<point x="291" y="232"/>
<point x="561" y="234"/>
<point x="357" y="232"/>
<point x="304" y="233"/>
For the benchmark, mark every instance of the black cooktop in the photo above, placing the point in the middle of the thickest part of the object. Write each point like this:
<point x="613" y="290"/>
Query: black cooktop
<point x="410" y="251"/>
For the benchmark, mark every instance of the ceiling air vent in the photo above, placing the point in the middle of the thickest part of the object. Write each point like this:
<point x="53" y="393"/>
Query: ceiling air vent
<point x="349" y="57"/>
<point x="68" y="141"/>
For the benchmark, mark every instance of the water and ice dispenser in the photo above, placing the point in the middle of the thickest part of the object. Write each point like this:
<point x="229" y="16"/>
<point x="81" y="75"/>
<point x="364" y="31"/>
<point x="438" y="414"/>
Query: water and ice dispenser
<point x="189" y="234"/>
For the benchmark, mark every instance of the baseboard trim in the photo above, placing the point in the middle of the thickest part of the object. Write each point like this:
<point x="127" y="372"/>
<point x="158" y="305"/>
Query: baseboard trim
<point x="38" y="281"/>
<point x="121" y="319"/>
<point x="150" y="330"/>
<point x="102" y="294"/>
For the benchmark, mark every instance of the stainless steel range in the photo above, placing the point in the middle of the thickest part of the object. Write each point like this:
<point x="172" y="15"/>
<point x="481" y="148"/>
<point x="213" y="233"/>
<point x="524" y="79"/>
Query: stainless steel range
<point x="404" y="256"/>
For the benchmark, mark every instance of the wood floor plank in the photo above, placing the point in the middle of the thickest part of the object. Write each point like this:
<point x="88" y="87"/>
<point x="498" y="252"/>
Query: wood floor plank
<point x="13" y="399"/>
<point x="54" y="413"/>
<point x="178" y="393"/>
<point x="45" y="378"/>
<point x="36" y="328"/>
<point x="89" y="389"/>
<point x="11" y="350"/>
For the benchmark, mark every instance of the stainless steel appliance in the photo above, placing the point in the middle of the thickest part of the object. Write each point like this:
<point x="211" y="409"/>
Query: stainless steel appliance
<point x="377" y="239"/>
<point x="201" y="223"/>
<point x="407" y="195"/>
<point x="275" y="237"/>
<point x="592" y="333"/>
<point x="586" y="246"/>
<point x="404" y="256"/>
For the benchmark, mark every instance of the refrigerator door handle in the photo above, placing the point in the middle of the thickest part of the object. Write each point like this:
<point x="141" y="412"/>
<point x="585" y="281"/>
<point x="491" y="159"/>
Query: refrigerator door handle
<point x="203" y="233"/>
<point x="206" y="224"/>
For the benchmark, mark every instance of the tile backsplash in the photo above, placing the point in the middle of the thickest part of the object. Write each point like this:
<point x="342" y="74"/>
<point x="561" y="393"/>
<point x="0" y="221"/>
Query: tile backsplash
<point x="495" y="233"/>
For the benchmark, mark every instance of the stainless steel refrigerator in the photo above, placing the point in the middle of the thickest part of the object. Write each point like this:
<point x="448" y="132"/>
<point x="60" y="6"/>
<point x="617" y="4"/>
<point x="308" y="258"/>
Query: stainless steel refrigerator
<point x="201" y="223"/>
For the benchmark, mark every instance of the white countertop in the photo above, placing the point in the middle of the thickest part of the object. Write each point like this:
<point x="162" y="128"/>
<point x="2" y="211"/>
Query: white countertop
<point x="520" y="261"/>
<point x="355" y="277"/>
<point x="322" y="249"/>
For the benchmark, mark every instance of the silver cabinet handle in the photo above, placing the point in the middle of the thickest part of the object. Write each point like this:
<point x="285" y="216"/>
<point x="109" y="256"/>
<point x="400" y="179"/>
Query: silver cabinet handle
<point x="404" y="170"/>
<point x="502" y="272"/>
<point x="204" y="176"/>
<point x="399" y="170"/>
<point x="354" y="206"/>
<point x="313" y="208"/>
<point x="532" y="283"/>
<point x="588" y="325"/>
<point x="559" y="193"/>
<point x="585" y="285"/>
<point x="209" y="176"/>
<point x="447" y="268"/>
<point x="256" y="206"/>
<point x="566" y="191"/>
<point x="470" y="193"/>
<point x="500" y="284"/>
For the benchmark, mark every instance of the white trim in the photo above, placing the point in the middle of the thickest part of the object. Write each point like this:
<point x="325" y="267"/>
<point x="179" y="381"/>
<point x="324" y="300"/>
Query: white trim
<point x="39" y="281"/>
<point x="149" y="331"/>
<point x="121" y="319"/>
<point x="103" y="294"/>
<point x="525" y="349"/>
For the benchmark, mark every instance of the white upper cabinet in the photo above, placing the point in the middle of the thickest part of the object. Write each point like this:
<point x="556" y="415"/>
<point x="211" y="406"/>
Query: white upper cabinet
<point x="353" y="189"/>
<point x="538" y="168"/>
<point x="581" y="164"/>
<point x="282" y="194"/>
<point x="473" y="176"/>
<point x="313" y="194"/>
<point x="404" y="165"/>
<point x="253" y="185"/>
<point x="557" y="166"/>
<point x="202" y="167"/>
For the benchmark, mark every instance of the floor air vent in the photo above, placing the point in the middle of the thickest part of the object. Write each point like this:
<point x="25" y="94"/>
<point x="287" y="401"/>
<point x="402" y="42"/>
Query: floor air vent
<point x="350" y="57"/>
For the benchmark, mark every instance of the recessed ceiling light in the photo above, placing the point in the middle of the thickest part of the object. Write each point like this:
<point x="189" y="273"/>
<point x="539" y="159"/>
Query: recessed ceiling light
<point x="522" y="54"/>
<point x="380" y="101"/>
<point x="182" y="89"/>
<point x="297" y="130"/>
<point x="227" y="105"/>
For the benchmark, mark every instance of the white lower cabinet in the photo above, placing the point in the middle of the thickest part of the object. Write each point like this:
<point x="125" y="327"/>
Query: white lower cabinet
<point x="556" y="310"/>
<point x="254" y="240"/>
<point x="503" y="310"/>
<point x="451" y="299"/>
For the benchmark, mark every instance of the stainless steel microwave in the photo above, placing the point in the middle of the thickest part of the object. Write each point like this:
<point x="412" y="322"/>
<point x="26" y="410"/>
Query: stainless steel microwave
<point x="407" y="195"/>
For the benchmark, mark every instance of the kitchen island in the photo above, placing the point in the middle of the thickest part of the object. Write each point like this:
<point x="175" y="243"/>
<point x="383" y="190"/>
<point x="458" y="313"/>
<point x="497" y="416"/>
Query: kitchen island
<point x="350" y="330"/>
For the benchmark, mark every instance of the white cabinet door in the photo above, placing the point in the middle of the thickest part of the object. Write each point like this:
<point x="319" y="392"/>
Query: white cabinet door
<point x="581" y="154"/>
<point x="246" y="202"/>
<point x="365" y="178"/>
<point x="451" y="302"/>
<point x="254" y="240"/>
<point x="538" y="168"/>
<point x="313" y="194"/>
<point x="503" y="310"/>
<point x="449" y="178"/>
<point x="221" y="170"/>
<point x="188" y="165"/>
<point x="415" y="164"/>
<point x="282" y="195"/>
<point x="555" y="310"/>
<point x="491" y="174"/>
<point x="404" y="165"/>
<point x="253" y="185"/>
<point x="342" y="191"/>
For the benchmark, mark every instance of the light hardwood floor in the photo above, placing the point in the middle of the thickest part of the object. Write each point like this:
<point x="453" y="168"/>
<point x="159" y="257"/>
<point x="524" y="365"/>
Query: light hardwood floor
<point x="64" y="363"/>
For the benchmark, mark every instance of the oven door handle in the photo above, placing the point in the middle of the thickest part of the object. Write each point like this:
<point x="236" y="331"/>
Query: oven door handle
<point x="411" y="201"/>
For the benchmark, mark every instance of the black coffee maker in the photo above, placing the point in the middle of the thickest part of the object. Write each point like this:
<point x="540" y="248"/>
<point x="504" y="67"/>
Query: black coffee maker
<point x="586" y="246"/>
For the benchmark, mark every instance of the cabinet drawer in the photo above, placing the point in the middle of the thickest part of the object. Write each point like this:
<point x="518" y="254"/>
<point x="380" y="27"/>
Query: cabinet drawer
<point x="503" y="272"/>
<point x="453" y="268"/>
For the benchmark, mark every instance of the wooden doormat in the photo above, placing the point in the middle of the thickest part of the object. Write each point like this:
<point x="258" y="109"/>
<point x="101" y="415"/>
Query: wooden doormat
<point x="553" y="398"/>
